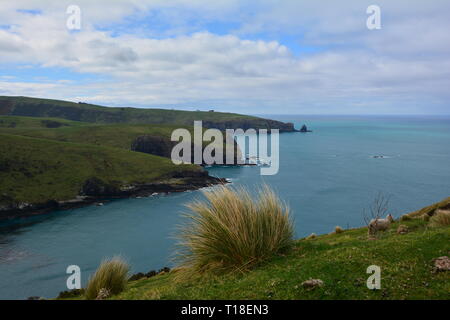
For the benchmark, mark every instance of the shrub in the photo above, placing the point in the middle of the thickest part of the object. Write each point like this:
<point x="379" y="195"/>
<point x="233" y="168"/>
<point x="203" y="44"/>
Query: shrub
<point x="440" y="219"/>
<point x="111" y="276"/>
<point x="232" y="231"/>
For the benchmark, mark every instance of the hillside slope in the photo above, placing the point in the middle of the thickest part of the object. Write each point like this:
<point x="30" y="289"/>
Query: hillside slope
<point x="33" y="107"/>
<point x="111" y="135"/>
<point x="42" y="174"/>
<point x="340" y="260"/>
<point x="152" y="139"/>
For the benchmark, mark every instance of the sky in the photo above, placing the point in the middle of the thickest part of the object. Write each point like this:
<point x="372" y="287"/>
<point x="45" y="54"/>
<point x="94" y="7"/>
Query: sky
<point x="253" y="57"/>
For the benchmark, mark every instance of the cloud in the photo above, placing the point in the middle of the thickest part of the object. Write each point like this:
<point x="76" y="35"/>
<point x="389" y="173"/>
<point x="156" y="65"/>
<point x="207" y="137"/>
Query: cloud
<point x="406" y="63"/>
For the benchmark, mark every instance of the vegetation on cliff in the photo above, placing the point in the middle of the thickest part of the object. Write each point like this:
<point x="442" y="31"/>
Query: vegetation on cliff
<point x="35" y="171"/>
<point x="407" y="254"/>
<point x="34" y="107"/>
<point x="51" y="148"/>
<point x="232" y="231"/>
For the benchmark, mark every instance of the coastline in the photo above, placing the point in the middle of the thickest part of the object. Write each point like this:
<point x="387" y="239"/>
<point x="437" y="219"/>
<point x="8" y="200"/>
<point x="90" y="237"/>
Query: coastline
<point x="181" y="184"/>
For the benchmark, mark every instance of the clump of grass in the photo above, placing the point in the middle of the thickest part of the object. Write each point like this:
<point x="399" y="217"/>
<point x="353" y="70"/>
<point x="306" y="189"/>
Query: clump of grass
<point x="405" y="217"/>
<point x="440" y="219"/>
<point x="232" y="231"/>
<point x="338" y="229"/>
<point x="111" y="275"/>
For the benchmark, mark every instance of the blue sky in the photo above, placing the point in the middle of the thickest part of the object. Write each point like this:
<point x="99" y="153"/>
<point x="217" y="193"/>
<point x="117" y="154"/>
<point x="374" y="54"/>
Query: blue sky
<point x="292" y="57"/>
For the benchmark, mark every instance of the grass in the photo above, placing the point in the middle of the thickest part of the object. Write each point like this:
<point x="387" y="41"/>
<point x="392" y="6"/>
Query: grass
<point x="340" y="260"/>
<point x="39" y="163"/>
<point x="35" y="107"/>
<point x="231" y="231"/>
<point x="442" y="205"/>
<point x="116" y="135"/>
<point x="111" y="135"/>
<point x="440" y="219"/>
<point x="111" y="275"/>
<point x="37" y="170"/>
<point x="16" y="122"/>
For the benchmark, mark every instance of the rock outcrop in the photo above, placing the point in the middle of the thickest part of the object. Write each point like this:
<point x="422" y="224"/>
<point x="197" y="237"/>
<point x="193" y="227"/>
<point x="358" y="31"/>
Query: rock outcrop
<point x="245" y="124"/>
<point x="156" y="145"/>
<point x="161" y="146"/>
<point x="304" y="128"/>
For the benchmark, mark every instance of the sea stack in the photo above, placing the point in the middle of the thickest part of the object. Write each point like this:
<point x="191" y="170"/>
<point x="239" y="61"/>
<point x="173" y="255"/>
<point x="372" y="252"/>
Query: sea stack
<point x="305" y="129"/>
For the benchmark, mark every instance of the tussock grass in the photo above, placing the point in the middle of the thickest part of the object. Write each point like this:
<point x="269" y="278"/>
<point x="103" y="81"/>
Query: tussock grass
<point x="440" y="219"/>
<point x="233" y="231"/>
<point x="405" y="218"/>
<point x="112" y="275"/>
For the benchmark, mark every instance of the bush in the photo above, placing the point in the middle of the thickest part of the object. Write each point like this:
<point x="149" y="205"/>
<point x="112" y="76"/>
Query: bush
<point x="111" y="276"/>
<point x="231" y="231"/>
<point x="440" y="219"/>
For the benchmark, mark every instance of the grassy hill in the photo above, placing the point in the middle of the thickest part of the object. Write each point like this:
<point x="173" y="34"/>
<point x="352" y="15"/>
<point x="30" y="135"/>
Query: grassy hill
<point x="34" y="107"/>
<point x="49" y="148"/>
<point x="340" y="260"/>
<point x="112" y="135"/>
<point x="16" y="122"/>
<point x="36" y="170"/>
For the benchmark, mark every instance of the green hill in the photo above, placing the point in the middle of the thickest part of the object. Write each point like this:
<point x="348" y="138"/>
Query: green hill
<point x="50" y="149"/>
<point x="37" y="171"/>
<point x="20" y="122"/>
<point x="34" y="107"/>
<point x="112" y="135"/>
<point x="339" y="260"/>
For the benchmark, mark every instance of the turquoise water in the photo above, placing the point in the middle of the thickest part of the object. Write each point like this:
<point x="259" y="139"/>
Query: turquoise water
<point x="327" y="177"/>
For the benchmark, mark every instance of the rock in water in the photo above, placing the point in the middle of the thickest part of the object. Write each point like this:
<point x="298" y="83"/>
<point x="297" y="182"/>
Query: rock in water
<point x="304" y="129"/>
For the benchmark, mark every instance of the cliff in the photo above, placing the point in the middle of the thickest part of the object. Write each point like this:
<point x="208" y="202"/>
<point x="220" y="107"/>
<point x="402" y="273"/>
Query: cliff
<point x="39" y="175"/>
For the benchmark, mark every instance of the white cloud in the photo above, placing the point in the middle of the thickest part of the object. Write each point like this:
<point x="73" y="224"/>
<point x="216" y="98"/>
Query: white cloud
<point x="405" y="63"/>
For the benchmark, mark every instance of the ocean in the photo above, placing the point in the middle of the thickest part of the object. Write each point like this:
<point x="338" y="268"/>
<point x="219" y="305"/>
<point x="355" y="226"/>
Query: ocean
<point x="328" y="177"/>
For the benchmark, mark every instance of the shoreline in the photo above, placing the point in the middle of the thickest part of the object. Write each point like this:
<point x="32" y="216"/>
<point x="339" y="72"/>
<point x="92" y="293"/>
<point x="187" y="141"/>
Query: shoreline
<point x="25" y="210"/>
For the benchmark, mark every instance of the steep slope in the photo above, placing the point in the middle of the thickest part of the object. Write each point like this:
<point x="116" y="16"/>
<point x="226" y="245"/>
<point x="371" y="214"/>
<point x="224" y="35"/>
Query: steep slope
<point x="152" y="139"/>
<point x="42" y="174"/>
<point x="339" y="260"/>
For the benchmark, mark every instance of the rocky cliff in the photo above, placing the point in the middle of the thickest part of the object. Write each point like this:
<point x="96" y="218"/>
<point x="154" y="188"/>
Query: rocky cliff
<point x="161" y="146"/>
